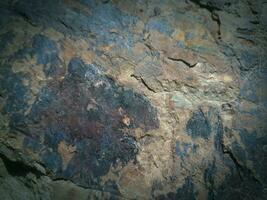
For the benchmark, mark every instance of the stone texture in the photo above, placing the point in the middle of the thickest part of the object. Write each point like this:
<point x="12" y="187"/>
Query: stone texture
<point x="133" y="99"/>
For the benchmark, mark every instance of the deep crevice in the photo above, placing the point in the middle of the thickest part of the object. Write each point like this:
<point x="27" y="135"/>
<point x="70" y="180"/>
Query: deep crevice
<point x="214" y="16"/>
<point x="139" y="78"/>
<point x="26" y="18"/>
<point x="243" y="172"/>
<point x="206" y="6"/>
<point x="19" y="168"/>
<point x="183" y="61"/>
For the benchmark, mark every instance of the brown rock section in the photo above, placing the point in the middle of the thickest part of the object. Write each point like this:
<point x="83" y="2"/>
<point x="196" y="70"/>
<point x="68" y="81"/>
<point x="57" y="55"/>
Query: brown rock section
<point x="133" y="99"/>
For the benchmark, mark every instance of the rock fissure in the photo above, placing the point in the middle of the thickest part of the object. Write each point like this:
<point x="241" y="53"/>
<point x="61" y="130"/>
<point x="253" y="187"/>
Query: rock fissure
<point x="139" y="78"/>
<point x="183" y="61"/>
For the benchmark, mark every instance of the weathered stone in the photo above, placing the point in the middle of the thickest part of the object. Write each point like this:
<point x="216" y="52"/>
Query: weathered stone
<point x="133" y="99"/>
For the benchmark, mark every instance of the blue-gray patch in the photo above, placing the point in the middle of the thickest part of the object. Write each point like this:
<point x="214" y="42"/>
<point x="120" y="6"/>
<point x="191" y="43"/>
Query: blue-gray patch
<point x="198" y="125"/>
<point x="159" y="25"/>
<point x="180" y="44"/>
<point x="45" y="49"/>
<point x="32" y="144"/>
<point x="247" y="91"/>
<point x="189" y="35"/>
<point x="249" y="59"/>
<point x="11" y="86"/>
<point x="183" y="149"/>
<point x="52" y="160"/>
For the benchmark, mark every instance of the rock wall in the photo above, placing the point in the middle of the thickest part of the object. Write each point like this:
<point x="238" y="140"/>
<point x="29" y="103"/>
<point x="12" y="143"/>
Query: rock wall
<point x="124" y="99"/>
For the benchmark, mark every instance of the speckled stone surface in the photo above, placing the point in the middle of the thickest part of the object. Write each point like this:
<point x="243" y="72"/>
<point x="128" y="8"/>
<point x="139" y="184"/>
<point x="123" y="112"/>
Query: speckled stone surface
<point x="124" y="99"/>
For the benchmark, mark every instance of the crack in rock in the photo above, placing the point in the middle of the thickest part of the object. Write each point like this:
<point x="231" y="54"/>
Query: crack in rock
<point x="139" y="78"/>
<point x="183" y="61"/>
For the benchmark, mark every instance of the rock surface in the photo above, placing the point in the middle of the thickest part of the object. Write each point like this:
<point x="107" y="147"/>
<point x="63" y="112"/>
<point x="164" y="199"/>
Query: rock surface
<point x="126" y="99"/>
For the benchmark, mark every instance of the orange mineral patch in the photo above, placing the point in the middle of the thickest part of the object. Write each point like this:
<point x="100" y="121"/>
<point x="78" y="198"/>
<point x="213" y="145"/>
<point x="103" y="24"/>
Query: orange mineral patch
<point x="67" y="152"/>
<point x="179" y="35"/>
<point x="126" y="120"/>
<point x="76" y="48"/>
<point x="68" y="51"/>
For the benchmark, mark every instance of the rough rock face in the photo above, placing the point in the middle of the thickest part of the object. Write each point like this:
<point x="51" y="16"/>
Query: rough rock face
<point x="129" y="99"/>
